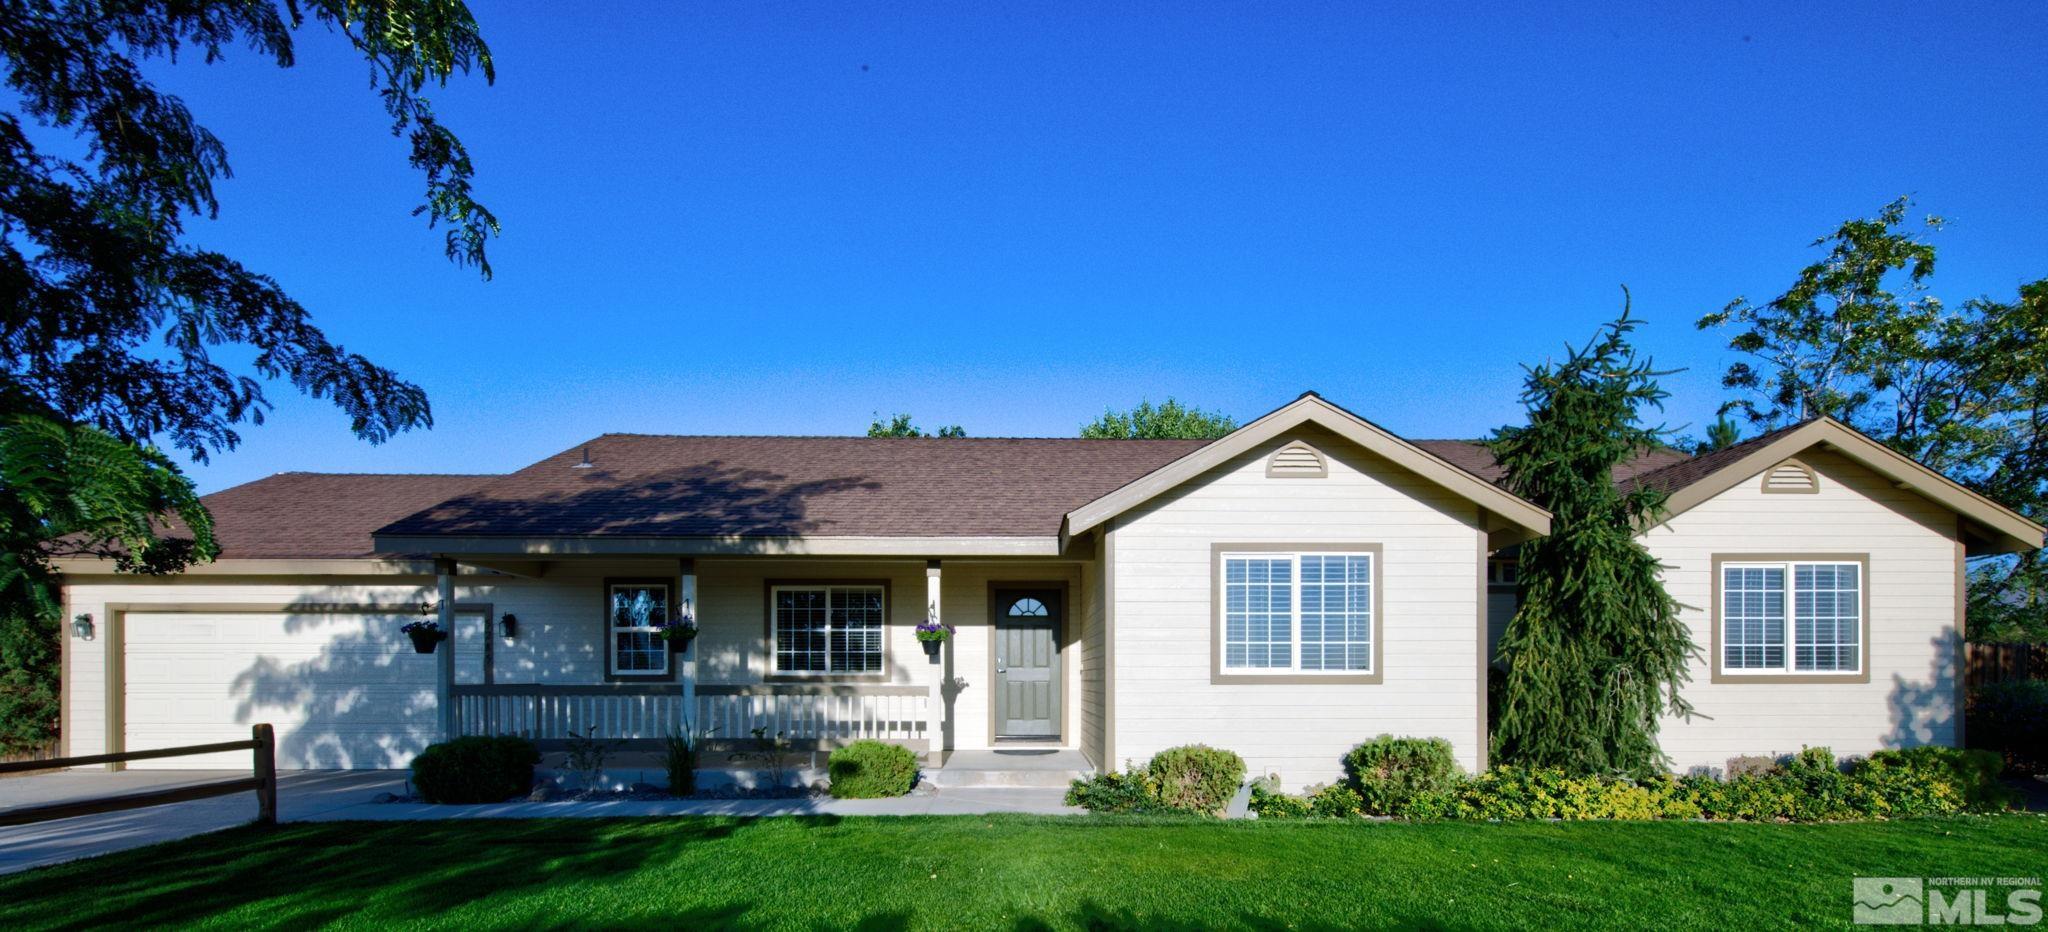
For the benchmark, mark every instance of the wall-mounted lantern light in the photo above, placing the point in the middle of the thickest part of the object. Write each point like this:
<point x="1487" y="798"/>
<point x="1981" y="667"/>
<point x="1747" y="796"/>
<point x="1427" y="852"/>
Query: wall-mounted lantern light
<point x="511" y="625"/>
<point x="81" y="626"/>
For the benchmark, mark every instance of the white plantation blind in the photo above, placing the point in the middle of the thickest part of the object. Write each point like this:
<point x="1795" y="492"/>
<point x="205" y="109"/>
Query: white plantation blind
<point x="1792" y="617"/>
<point x="1305" y="612"/>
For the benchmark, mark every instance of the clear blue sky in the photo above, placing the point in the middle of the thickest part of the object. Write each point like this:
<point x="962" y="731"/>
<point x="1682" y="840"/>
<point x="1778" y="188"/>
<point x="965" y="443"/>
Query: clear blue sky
<point x="783" y="217"/>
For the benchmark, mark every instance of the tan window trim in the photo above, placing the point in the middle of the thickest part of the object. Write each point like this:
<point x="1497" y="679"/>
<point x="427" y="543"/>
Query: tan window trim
<point x="1717" y="675"/>
<point x="1217" y="675"/>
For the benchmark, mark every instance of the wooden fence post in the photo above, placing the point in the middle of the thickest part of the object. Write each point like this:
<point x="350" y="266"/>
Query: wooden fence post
<point x="266" y="774"/>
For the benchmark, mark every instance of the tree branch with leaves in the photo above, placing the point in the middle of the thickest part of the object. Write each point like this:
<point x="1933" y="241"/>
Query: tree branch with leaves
<point x="110" y="322"/>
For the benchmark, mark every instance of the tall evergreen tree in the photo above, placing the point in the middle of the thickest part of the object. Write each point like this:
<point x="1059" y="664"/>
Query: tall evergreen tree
<point x="1596" y="654"/>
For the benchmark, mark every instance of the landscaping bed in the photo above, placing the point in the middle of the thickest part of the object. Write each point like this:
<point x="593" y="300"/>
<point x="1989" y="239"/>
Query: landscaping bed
<point x="1015" y="872"/>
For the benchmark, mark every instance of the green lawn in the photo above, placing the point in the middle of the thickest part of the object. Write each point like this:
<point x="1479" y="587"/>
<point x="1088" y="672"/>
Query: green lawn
<point x="1013" y="872"/>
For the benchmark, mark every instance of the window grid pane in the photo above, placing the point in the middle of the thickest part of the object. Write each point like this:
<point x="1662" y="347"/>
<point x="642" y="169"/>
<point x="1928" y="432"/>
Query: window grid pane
<point x="800" y="631"/>
<point x="1827" y="616"/>
<point x="856" y="631"/>
<point x="1753" y="617"/>
<point x="1258" y="612"/>
<point x="1336" y="612"/>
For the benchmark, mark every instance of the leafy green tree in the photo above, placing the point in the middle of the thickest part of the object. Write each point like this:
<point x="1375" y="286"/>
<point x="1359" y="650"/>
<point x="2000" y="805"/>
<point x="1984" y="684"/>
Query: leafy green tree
<point x="1596" y="654"/>
<point x="1171" y="420"/>
<point x="1963" y="390"/>
<point x="1848" y="328"/>
<point x="900" y="426"/>
<point x="110" y="321"/>
<point x="1721" y="435"/>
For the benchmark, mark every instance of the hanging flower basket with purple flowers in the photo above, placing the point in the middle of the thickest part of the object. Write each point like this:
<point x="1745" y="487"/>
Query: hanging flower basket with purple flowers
<point x="932" y="634"/>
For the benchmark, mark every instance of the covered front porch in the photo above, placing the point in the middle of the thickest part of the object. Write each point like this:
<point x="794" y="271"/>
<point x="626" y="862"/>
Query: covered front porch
<point x="794" y="655"/>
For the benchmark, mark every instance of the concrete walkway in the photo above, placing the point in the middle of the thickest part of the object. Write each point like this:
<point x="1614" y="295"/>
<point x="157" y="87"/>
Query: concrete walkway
<point x="342" y="795"/>
<point x="300" y="795"/>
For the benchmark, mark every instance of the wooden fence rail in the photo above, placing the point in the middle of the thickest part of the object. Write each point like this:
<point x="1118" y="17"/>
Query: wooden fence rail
<point x="39" y="755"/>
<point x="262" y="779"/>
<point x="1998" y="663"/>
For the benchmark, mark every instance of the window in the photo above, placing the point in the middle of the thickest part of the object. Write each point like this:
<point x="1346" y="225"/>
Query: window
<point x="1297" y="612"/>
<point x="1028" y="608"/>
<point x="1819" y="605"/>
<point x="827" y="629"/>
<point x="633" y="610"/>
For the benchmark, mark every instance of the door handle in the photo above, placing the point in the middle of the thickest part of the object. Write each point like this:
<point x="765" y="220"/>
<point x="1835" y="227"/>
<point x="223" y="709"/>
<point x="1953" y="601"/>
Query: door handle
<point x="1002" y="669"/>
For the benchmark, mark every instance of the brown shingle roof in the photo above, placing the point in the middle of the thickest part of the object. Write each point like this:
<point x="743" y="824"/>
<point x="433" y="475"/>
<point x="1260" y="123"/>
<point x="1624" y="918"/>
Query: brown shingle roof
<point x="648" y="485"/>
<point x="306" y="515"/>
<point x="1688" y="470"/>
<point x="641" y="485"/>
<point x="1473" y="457"/>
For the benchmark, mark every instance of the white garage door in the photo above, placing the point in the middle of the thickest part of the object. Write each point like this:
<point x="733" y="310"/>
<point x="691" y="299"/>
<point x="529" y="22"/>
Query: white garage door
<point x="343" y="690"/>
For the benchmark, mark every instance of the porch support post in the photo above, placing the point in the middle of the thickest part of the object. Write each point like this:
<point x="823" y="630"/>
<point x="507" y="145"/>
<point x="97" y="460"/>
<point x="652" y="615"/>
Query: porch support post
<point x="687" y="569"/>
<point x="444" y="657"/>
<point x="936" y="741"/>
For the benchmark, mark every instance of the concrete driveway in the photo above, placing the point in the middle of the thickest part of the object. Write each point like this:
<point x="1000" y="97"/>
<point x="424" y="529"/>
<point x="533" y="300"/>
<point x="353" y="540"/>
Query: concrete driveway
<point x="301" y="794"/>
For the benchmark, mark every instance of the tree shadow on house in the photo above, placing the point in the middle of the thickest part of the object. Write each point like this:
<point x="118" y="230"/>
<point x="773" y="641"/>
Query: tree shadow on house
<point x="1927" y="712"/>
<point x="701" y="500"/>
<point x="367" y="700"/>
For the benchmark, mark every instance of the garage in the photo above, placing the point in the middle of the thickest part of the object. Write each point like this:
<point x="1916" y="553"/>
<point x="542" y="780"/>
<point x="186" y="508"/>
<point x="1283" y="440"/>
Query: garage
<point x="344" y="689"/>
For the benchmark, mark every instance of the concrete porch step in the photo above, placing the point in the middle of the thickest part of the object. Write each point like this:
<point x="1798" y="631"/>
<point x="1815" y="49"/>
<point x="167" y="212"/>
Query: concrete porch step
<point x="1021" y="767"/>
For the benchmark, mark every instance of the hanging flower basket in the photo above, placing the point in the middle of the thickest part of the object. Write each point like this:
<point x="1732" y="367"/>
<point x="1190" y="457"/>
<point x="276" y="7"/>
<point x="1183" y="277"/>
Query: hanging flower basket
<point x="677" y="633"/>
<point x="426" y="635"/>
<point x="933" y="635"/>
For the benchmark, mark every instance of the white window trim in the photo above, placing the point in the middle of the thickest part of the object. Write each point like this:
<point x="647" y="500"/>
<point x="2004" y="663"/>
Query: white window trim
<point x="1294" y="667"/>
<point x="612" y="629"/>
<point x="1791" y="645"/>
<point x="775" y="629"/>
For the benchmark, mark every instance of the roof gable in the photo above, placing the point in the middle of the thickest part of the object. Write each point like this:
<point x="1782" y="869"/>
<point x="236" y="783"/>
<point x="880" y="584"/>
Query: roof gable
<point x="1997" y="529"/>
<point x="1513" y="518"/>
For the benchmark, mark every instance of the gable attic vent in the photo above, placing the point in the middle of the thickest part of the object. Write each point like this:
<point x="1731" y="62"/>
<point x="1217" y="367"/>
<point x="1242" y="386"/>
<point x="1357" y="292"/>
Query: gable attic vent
<point x="1791" y="477"/>
<point x="1297" y="460"/>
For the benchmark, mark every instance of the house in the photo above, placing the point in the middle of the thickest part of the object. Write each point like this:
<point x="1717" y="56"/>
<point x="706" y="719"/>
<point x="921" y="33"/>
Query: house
<point x="1304" y="583"/>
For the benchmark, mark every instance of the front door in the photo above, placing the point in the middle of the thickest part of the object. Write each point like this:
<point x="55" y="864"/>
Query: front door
<point x="1027" y="657"/>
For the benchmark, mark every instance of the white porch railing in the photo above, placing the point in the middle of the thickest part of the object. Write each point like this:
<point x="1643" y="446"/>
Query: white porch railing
<point x="641" y="715"/>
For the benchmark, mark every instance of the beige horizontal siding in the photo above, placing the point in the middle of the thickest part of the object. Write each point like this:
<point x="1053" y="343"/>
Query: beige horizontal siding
<point x="560" y="634"/>
<point x="1164" y="626"/>
<point x="1910" y="698"/>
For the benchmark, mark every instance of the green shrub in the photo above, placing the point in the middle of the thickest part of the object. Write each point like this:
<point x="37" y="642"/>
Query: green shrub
<point x="2011" y="719"/>
<point x="679" y="757"/>
<point x="1129" y="791"/>
<point x="1387" y="771"/>
<point x="475" y="769"/>
<point x="1970" y="776"/>
<point x="1335" y="801"/>
<point x="869" y="769"/>
<point x="1195" y="777"/>
<point x="1272" y="804"/>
